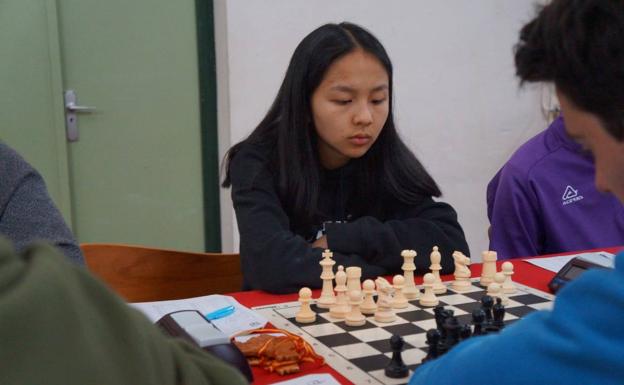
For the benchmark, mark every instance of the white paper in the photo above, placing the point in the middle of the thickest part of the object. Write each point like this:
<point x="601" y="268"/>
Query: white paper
<point x="241" y="320"/>
<point x="311" y="379"/>
<point x="555" y="264"/>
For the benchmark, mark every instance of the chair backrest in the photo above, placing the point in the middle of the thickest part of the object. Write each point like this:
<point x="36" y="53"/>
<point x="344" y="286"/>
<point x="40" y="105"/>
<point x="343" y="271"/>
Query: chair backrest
<point x="140" y="273"/>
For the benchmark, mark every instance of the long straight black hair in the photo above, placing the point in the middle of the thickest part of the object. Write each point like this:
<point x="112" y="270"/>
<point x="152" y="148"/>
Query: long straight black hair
<point x="388" y="168"/>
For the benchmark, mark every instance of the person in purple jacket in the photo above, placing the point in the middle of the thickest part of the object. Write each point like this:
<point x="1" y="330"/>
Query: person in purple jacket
<point x="542" y="201"/>
<point x="578" y="45"/>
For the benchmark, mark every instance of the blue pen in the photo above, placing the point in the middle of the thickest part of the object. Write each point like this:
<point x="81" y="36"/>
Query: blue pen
<point x="220" y="313"/>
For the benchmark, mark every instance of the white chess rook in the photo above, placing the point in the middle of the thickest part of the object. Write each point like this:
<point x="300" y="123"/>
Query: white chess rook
<point x="489" y="268"/>
<point x="354" y="275"/>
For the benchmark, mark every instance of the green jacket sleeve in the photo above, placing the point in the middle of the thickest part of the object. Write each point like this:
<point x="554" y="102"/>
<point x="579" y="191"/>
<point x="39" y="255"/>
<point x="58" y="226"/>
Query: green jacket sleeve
<point x="59" y="325"/>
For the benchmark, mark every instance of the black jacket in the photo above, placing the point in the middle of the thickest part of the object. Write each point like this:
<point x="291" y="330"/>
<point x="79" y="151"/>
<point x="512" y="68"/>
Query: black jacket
<point x="276" y="253"/>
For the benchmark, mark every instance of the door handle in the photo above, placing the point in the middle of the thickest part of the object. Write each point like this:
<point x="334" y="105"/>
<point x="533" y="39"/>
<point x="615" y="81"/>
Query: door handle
<point x="71" y="120"/>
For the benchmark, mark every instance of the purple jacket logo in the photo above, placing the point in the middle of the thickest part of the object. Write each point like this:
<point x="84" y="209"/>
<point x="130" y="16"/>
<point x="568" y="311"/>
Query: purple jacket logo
<point x="570" y="195"/>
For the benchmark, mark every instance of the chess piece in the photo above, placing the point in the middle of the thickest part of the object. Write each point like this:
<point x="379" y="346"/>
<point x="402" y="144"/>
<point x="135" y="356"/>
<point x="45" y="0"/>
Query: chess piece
<point x="508" y="285"/>
<point x="498" y="311"/>
<point x="354" y="274"/>
<point x="493" y="290"/>
<point x="478" y="319"/>
<point x="327" y="297"/>
<point x="439" y="315"/>
<point x="486" y="304"/>
<point x="384" y="311"/>
<point x="436" y="257"/>
<point x="399" y="301"/>
<point x="368" y="306"/>
<point x="433" y="341"/>
<point x="452" y="328"/>
<point x="489" y="268"/>
<point x="305" y="315"/>
<point x="410" y="291"/>
<point x="499" y="278"/>
<point x="464" y="332"/>
<point x="396" y="367"/>
<point x="341" y="307"/>
<point x="428" y="298"/>
<point x="355" y="316"/>
<point x="462" y="273"/>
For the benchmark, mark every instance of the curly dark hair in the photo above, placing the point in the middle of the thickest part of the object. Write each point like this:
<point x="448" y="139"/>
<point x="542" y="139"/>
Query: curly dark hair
<point x="579" y="45"/>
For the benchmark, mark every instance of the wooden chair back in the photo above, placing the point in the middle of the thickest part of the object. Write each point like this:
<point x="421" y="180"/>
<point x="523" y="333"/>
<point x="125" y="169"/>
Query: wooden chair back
<point x="141" y="274"/>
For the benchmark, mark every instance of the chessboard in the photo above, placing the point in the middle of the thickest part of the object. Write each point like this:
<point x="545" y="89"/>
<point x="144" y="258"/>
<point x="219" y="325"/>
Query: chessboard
<point x="361" y="353"/>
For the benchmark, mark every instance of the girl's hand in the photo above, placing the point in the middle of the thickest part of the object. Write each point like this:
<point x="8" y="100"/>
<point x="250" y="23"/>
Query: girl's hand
<point x="321" y="242"/>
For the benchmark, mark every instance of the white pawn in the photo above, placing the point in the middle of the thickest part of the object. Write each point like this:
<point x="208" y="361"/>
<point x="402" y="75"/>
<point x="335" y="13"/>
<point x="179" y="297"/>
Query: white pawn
<point x="355" y="316"/>
<point x="493" y="290"/>
<point x="428" y="298"/>
<point x="384" y="311"/>
<point x="436" y="257"/>
<point x="489" y="268"/>
<point x="508" y="285"/>
<point x="305" y="315"/>
<point x="410" y="291"/>
<point x="341" y="307"/>
<point x="500" y="279"/>
<point x="399" y="301"/>
<point x="368" y="306"/>
<point x="327" y="297"/>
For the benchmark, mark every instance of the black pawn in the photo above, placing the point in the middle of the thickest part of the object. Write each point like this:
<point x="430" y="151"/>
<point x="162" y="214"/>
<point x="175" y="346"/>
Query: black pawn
<point x="396" y="367"/>
<point x="439" y="316"/>
<point x="487" y="302"/>
<point x="452" y="332"/>
<point x="499" y="314"/>
<point x="478" y="318"/>
<point x="433" y="339"/>
<point x="465" y="332"/>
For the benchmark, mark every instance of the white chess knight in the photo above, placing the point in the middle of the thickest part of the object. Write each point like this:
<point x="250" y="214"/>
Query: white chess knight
<point x="489" y="267"/>
<point x="436" y="257"/>
<point x="410" y="291"/>
<point x="462" y="272"/>
<point x="384" y="311"/>
<point x="327" y="297"/>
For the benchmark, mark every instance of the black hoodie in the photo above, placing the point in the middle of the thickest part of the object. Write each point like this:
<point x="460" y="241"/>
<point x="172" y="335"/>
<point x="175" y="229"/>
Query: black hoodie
<point x="276" y="253"/>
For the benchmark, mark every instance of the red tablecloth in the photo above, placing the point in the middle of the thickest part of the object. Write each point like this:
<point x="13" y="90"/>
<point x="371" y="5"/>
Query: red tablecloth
<point x="524" y="272"/>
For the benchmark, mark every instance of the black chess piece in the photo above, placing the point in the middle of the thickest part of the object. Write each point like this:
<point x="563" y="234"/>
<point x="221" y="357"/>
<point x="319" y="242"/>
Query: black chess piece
<point x="439" y="316"/>
<point x="396" y="367"/>
<point x="452" y="332"/>
<point x="499" y="314"/>
<point x="433" y="339"/>
<point x="464" y="332"/>
<point x="486" y="304"/>
<point x="478" y="318"/>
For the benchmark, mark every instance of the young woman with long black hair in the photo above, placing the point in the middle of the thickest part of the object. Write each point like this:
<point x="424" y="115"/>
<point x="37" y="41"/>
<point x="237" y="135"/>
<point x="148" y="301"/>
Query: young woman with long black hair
<point x="326" y="168"/>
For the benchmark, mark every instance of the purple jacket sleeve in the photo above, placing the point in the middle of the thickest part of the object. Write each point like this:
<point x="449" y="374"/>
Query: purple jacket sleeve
<point x="513" y="211"/>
